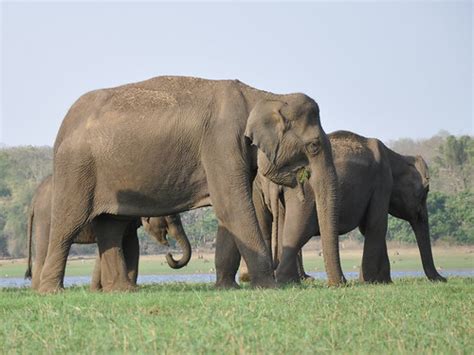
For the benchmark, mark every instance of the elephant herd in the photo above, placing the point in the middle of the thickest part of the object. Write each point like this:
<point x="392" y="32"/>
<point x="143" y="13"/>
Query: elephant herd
<point x="139" y="154"/>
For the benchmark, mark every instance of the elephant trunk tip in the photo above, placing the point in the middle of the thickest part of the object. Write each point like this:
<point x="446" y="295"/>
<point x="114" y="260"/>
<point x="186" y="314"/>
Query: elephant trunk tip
<point x="176" y="264"/>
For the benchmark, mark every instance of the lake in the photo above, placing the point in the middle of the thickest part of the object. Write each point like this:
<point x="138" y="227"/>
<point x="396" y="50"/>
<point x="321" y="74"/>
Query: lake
<point x="210" y="278"/>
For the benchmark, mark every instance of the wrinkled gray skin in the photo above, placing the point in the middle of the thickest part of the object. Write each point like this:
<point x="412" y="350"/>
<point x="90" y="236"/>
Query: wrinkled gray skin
<point x="374" y="181"/>
<point x="200" y="140"/>
<point x="39" y="223"/>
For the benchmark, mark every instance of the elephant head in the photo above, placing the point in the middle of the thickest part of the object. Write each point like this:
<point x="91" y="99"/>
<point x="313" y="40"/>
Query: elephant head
<point x="289" y="134"/>
<point x="411" y="185"/>
<point x="159" y="227"/>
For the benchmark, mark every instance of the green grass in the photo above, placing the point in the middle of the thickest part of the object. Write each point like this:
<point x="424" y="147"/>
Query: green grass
<point x="408" y="316"/>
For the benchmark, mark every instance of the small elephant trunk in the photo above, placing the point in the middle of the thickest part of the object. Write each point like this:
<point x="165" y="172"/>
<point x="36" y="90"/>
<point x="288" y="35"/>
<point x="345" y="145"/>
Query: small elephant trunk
<point x="324" y="183"/>
<point x="420" y="226"/>
<point x="180" y="235"/>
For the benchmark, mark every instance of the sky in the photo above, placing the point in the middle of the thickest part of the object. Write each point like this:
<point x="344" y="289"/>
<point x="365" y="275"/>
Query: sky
<point x="385" y="69"/>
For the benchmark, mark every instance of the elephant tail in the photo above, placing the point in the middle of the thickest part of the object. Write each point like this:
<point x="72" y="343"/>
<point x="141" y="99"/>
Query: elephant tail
<point x="29" y="273"/>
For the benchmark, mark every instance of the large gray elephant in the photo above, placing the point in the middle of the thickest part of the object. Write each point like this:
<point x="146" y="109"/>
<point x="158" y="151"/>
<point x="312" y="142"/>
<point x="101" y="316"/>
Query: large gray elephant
<point x="39" y="223"/>
<point x="200" y="139"/>
<point x="374" y="181"/>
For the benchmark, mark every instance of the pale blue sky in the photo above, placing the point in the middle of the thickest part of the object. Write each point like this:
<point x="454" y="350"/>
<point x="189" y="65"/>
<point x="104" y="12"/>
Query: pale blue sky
<point x="382" y="69"/>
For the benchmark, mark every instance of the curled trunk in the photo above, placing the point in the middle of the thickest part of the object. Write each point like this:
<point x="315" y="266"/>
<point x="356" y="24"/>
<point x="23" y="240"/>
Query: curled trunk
<point x="180" y="235"/>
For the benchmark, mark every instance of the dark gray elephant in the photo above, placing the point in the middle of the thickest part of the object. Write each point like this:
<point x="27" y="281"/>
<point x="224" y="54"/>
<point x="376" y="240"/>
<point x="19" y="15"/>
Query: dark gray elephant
<point x="39" y="223"/>
<point x="374" y="181"/>
<point x="200" y="139"/>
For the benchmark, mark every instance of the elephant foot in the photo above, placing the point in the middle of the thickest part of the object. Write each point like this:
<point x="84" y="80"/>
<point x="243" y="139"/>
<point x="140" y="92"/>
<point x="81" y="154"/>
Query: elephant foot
<point x="47" y="289"/>
<point x="95" y="287"/>
<point x="120" y="287"/>
<point x="284" y="278"/>
<point x="263" y="282"/>
<point x="227" y="285"/>
<point x="282" y="281"/>
<point x="376" y="280"/>
<point x="337" y="283"/>
<point x="437" y="278"/>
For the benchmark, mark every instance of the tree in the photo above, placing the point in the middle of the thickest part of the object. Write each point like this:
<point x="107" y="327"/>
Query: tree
<point x="454" y="162"/>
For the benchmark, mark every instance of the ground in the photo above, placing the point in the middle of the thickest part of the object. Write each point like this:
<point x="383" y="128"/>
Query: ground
<point x="409" y="316"/>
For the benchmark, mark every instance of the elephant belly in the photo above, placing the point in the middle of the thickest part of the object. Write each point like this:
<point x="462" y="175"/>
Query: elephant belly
<point x="150" y="168"/>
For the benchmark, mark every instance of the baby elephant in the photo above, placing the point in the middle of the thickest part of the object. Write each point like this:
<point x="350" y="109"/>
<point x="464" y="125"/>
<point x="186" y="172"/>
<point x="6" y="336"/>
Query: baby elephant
<point x="39" y="222"/>
<point x="374" y="181"/>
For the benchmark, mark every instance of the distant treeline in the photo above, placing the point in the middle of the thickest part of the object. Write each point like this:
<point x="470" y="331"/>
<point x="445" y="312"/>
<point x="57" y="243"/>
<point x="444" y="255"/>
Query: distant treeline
<point x="450" y="158"/>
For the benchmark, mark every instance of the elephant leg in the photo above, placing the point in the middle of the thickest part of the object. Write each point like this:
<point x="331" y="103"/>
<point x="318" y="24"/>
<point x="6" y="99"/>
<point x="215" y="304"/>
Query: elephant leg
<point x="227" y="259"/>
<point x="231" y="198"/>
<point x="113" y="269"/>
<point x="61" y="238"/>
<point x="298" y="227"/>
<point x="96" y="284"/>
<point x="71" y="208"/>
<point x="41" y="249"/>
<point x="375" y="262"/>
<point x="131" y="252"/>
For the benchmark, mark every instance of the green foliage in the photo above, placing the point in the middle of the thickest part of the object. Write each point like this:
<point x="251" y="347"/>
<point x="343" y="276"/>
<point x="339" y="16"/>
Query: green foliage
<point x="21" y="170"/>
<point x="303" y="175"/>
<point x="409" y="316"/>
<point x="451" y="219"/>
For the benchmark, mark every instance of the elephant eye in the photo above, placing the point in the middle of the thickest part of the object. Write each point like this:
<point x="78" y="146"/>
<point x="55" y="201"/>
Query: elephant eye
<point x="314" y="147"/>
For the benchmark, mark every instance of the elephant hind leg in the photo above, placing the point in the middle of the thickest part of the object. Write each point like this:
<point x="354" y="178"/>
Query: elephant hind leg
<point x="61" y="238"/>
<point x="113" y="268"/>
<point x="375" y="262"/>
<point x="227" y="259"/>
<point x="131" y="252"/>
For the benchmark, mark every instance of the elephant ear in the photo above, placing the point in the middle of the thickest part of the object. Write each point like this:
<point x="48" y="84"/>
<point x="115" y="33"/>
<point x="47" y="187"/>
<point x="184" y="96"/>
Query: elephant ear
<point x="266" y="125"/>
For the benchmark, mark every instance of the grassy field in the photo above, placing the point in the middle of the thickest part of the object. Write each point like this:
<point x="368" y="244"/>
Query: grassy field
<point x="402" y="259"/>
<point x="409" y="316"/>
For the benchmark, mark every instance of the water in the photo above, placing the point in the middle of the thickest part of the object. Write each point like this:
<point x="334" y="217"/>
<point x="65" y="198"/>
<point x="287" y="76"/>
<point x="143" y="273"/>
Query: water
<point x="211" y="278"/>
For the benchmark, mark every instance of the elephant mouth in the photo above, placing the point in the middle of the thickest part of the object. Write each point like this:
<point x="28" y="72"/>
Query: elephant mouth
<point x="284" y="174"/>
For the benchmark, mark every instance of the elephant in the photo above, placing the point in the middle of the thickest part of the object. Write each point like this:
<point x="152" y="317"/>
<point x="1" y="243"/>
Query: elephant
<point x="374" y="181"/>
<point x="158" y="227"/>
<point x="200" y="138"/>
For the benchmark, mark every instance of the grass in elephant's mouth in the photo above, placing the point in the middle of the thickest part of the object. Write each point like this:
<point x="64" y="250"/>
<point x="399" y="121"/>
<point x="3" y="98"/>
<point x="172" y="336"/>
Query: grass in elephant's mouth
<point x="411" y="315"/>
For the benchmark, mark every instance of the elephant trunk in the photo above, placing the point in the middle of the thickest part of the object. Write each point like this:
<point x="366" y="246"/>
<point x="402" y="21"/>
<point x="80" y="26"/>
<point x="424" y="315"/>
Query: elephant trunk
<point x="324" y="183"/>
<point x="180" y="235"/>
<point x="420" y="226"/>
<point x="29" y="273"/>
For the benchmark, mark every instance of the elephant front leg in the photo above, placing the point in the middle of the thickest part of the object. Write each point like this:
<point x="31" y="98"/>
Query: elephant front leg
<point x="238" y="226"/>
<point x="297" y="228"/>
<point x="113" y="269"/>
